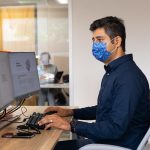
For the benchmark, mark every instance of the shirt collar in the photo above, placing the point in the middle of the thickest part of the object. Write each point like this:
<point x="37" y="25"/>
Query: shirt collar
<point x="115" y="63"/>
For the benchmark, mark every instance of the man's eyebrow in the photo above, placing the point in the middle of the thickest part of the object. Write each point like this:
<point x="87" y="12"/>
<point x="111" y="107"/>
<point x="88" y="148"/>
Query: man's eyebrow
<point x="98" y="37"/>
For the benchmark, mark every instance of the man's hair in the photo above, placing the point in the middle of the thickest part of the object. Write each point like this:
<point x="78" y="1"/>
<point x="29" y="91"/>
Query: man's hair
<point x="45" y="53"/>
<point x="113" y="27"/>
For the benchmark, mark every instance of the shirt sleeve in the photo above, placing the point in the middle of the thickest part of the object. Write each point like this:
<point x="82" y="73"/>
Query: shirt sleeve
<point x="88" y="113"/>
<point x="128" y="93"/>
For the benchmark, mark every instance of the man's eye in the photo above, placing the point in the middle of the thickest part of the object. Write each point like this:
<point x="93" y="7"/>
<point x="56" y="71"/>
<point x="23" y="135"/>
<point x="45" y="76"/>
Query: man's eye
<point x="99" y="40"/>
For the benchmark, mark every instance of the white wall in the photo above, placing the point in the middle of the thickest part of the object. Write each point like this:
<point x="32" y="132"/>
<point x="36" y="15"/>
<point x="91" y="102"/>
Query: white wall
<point x="86" y="71"/>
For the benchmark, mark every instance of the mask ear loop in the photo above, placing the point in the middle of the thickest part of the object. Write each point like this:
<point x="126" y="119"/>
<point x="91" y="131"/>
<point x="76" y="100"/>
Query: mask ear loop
<point x="113" y="49"/>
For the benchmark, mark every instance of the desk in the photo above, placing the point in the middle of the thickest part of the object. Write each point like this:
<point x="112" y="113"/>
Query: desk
<point x="44" y="141"/>
<point x="55" y="85"/>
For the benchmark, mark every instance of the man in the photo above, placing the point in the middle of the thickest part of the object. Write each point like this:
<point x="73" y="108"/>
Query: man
<point x="46" y="73"/>
<point x="122" y="110"/>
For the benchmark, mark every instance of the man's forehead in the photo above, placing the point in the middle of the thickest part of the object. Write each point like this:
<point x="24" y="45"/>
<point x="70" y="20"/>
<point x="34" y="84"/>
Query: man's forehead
<point x="100" y="32"/>
<point x="99" y="36"/>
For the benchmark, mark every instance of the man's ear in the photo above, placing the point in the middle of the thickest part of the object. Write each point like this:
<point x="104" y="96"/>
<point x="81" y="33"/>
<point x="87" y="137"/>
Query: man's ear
<point x="117" y="41"/>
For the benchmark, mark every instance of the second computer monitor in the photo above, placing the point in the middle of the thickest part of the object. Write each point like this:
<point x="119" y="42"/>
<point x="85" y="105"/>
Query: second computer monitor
<point x="24" y="73"/>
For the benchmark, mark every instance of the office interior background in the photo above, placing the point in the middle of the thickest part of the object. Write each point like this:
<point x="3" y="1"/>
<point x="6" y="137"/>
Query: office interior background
<point x="63" y="30"/>
<point x="36" y="26"/>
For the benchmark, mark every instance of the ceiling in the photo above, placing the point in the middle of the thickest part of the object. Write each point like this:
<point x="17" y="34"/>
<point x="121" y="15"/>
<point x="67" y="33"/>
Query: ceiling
<point x="53" y="3"/>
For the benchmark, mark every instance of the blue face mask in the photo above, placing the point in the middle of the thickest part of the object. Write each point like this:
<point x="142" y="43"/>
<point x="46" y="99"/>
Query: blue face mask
<point x="100" y="52"/>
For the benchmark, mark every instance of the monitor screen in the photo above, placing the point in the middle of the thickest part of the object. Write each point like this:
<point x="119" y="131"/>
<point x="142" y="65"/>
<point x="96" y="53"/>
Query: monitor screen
<point x="6" y="85"/>
<point x="24" y="73"/>
<point x="19" y="76"/>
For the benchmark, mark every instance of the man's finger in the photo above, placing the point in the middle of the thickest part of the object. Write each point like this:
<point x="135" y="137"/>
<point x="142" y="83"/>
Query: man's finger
<point x="48" y="126"/>
<point x="42" y="121"/>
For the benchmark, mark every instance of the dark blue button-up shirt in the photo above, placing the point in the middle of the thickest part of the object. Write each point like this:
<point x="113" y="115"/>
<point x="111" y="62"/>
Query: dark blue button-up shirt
<point x="122" y="110"/>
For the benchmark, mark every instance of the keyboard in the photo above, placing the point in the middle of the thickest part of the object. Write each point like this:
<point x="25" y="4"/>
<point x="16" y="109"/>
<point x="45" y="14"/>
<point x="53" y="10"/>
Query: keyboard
<point x="35" y="118"/>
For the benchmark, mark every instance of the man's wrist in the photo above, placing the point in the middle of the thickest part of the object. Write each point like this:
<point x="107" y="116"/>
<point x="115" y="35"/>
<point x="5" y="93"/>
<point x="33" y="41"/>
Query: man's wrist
<point x="71" y="112"/>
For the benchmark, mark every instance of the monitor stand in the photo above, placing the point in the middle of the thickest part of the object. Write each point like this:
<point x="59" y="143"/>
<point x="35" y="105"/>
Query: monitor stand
<point x="8" y="120"/>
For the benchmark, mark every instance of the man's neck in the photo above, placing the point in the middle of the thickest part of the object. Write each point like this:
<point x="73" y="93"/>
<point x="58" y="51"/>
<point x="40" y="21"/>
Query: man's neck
<point x="117" y="54"/>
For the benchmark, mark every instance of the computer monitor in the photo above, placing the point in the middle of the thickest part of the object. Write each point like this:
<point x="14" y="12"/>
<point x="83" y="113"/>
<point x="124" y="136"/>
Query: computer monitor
<point x="24" y="74"/>
<point x="6" y="84"/>
<point x="18" y="77"/>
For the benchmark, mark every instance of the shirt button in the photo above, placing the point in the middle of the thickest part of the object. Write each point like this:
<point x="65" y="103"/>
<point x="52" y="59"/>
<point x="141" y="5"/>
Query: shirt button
<point x="108" y="74"/>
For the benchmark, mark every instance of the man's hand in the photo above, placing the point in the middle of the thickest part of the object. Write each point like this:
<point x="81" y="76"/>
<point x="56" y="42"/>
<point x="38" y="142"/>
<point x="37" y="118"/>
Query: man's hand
<point x="63" y="112"/>
<point x="55" y="121"/>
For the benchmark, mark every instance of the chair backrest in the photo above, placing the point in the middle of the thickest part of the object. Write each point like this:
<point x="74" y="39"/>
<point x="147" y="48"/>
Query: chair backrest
<point x="144" y="140"/>
<point x="146" y="137"/>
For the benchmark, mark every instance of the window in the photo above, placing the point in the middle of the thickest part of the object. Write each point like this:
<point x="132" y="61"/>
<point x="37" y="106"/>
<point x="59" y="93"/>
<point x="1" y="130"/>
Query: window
<point x="18" y="28"/>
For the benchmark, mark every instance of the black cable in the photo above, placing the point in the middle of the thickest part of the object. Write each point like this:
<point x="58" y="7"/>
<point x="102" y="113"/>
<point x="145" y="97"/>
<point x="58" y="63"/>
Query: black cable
<point x="19" y="105"/>
<point x="16" y="108"/>
<point x="36" y="130"/>
<point x="12" y="110"/>
<point x="22" y="113"/>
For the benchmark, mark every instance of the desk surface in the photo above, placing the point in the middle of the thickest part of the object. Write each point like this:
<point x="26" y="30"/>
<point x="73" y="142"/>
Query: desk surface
<point x="55" y="85"/>
<point x="44" y="141"/>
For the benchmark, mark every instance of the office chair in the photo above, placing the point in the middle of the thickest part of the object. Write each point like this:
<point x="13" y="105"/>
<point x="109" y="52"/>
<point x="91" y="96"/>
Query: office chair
<point x="102" y="147"/>
<point x="113" y="147"/>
